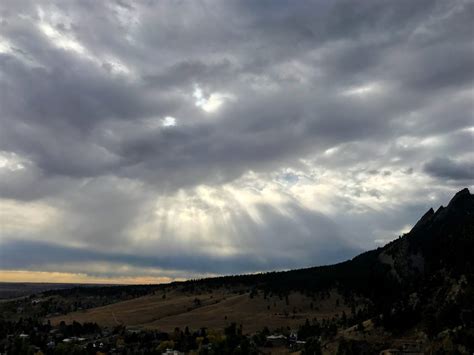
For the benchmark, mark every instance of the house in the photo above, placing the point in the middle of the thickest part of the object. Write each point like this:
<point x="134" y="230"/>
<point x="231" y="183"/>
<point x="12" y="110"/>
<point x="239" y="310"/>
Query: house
<point x="172" y="352"/>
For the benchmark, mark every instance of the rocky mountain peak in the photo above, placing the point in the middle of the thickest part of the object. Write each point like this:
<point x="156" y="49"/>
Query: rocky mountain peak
<point x="423" y="220"/>
<point x="463" y="199"/>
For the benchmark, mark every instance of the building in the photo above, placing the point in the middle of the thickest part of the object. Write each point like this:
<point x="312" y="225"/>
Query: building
<point x="172" y="352"/>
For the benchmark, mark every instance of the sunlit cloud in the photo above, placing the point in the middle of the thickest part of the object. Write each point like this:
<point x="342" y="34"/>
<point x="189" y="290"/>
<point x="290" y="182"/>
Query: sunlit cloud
<point x="168" y="121"/>
<point x="65" y="40"/>
<point x="211" y="102"/>
<point x="59" y="39"/>
<point x="26" y="218"/>
<point x="5" y="46"/>
<point x="11" y="161"/>
<point x="364" y="90"/>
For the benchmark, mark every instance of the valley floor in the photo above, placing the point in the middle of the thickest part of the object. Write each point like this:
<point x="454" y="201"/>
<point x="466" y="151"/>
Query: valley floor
<point x="212" y="310"/>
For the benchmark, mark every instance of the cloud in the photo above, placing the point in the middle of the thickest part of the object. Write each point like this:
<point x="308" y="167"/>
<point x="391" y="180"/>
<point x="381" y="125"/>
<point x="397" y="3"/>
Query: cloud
<point x="255" y="135"/>
<point x="260" y="244"/>
<point x="447" y="168"/>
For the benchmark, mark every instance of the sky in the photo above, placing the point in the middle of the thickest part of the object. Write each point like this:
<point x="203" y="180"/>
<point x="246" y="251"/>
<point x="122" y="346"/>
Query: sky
<point x="152" y="141"/>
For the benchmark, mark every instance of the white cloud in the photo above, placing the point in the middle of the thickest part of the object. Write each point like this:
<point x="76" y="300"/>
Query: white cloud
<point x="6" y="46"/>
<point x="26" y="218"/>
<point x="48" y="25"/>
<point x="168" y="121"/>
<point x="364" y="90"/>
<point x="11" y="161"/>
<point x="211" y="102"/>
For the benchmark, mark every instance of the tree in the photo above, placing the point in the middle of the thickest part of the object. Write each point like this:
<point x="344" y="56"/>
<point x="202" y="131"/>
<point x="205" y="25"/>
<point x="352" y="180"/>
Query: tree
<point x="312" y="347"/>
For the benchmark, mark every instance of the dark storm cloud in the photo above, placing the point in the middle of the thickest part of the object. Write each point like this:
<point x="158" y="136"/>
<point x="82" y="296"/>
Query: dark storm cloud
<point x="84" y="87"/>
<point x="446" y="168"/>
<point x="50" y="113"/>
<point x="39" y="255"/>
<point x="191" y="71"/>
<point x="30" y="254"/>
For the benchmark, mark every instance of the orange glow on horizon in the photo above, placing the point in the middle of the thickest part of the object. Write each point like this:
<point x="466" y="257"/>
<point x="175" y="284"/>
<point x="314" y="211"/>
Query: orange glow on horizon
<point x="64" y="277"/>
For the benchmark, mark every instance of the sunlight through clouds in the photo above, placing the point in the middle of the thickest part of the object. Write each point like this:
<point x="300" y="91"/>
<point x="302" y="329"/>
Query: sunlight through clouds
<point x="364" y="90"/>
<point x="202" y="139"/>
<point x="5" y="46"/>
<point x="58" y="39"/>
<point x="48" y="25"/>
<point x="26" y="217"/>
<point x="11" y="161"/>
<point x="168" y="121"/>
<point x="211" y="102"/>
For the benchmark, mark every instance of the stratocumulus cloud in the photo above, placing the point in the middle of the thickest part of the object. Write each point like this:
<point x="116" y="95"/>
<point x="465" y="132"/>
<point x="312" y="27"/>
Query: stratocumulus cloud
<point x="182" y="139"/>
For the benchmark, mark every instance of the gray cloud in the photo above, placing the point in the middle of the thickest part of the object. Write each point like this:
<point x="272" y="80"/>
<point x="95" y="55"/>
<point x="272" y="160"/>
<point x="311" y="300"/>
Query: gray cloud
<point x="350" y="95"/>
<point x="311" y="236"/>
<point x="447" y="168"/>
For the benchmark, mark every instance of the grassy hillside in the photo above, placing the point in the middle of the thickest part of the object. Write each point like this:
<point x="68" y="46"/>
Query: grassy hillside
<point x="214" y="310"/>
